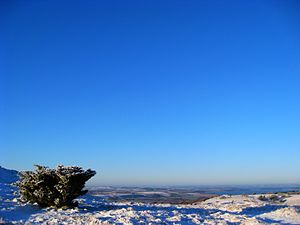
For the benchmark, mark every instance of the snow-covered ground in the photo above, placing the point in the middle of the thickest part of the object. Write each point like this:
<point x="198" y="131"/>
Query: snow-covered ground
<point x="236" y="209"/>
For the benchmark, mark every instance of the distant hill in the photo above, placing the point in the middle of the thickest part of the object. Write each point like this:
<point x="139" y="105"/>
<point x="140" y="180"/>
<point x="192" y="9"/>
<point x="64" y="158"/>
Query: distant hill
<point x="8" y="176"/>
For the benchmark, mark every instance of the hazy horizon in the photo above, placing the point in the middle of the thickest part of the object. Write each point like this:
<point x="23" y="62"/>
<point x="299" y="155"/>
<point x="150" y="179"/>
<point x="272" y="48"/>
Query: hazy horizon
<point x="153" y="92"/>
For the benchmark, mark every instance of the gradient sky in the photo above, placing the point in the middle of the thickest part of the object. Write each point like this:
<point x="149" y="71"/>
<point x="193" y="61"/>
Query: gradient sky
<point x="153" y="92"/>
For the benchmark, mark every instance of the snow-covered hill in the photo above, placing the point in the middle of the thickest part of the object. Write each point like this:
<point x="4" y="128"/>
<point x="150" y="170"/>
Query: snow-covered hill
<point x="8" y="176"/>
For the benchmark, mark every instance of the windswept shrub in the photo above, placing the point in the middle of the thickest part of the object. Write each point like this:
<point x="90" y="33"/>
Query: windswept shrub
<point x="272" y="198"/>
<point x="53" y="187"/>
<point x="263" y="198"/>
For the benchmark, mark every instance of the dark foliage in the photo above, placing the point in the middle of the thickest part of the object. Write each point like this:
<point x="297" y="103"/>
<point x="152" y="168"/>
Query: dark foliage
<point x="272" y="198"/>
<point x="54" y="187"/>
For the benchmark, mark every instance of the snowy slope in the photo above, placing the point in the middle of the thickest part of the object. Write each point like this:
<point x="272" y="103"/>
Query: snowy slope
<point x="8" y="176"/>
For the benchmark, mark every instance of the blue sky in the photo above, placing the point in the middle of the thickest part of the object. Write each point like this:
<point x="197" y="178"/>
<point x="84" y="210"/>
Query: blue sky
<point x="153" y="92"/>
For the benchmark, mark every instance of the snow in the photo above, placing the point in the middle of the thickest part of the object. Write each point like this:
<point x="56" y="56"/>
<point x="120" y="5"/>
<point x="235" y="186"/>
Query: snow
<point x="94" y="210"/>
<point x="288" y="215"/>
<point x="8" y="176"/>
<point x="237" y="209"/>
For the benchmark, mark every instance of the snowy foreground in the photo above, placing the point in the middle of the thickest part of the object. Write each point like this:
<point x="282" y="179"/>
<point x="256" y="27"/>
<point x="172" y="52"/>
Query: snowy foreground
<point x="236" y="209"/>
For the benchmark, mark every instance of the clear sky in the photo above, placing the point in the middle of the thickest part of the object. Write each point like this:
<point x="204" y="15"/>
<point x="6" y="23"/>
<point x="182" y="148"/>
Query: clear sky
<point x="153" y="92"/>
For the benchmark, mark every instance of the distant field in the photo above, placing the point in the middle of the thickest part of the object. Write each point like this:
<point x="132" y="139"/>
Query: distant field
<point x="181" y="195"/>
